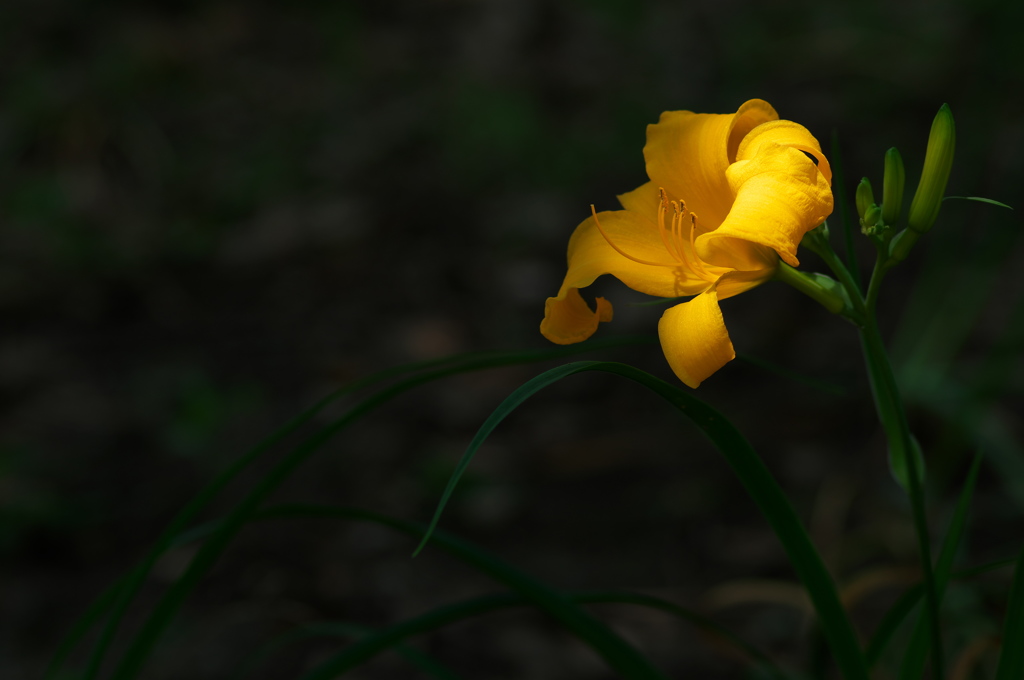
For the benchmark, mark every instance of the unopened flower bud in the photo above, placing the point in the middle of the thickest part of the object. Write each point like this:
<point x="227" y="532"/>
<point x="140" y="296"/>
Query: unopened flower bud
<point x="892" y="187"/>
<point x="864" y="197"/>
<point x="872" y="217"/>
<point x="938" y="161"/>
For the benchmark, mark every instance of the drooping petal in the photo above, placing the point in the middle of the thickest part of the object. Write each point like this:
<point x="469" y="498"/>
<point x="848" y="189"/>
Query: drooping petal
<point x="694" y="338"/>
<point x="780" y="195"/>
<point x="570" y="320"/>
<point x="687" y="153"/>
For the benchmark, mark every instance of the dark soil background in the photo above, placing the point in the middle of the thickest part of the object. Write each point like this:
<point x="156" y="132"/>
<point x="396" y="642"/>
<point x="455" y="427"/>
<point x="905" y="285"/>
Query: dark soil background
<point x="214" y="214"/>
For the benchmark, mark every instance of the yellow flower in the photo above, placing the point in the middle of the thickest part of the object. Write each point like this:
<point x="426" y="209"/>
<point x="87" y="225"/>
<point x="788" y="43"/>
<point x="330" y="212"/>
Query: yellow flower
<point x="750" y="178"/>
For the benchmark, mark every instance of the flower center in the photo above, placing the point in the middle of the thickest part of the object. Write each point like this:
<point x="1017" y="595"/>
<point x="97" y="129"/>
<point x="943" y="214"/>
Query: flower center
<point x="677" y="237"/>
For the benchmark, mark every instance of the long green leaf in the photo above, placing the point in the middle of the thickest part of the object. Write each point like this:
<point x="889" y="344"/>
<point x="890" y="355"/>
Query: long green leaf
<point x="613" y="597"/>
<point x="205" y="558"/>
<point x="891" y="622"/>
<point x="979" y="199"/>
<point x="916" y="656"/>
<point x="134" y="579"/>
<point x="368" y="646"/>
<point x="344" y="630"/>
<point x="143" y="642"/>
<point x="753" y="474"/>
<point x="100" y="606"/>
<point x="127" y="587"/>
<point x="905" y="604"/>
<point x="1011" y="659"/>
<point x="619" y="654"/>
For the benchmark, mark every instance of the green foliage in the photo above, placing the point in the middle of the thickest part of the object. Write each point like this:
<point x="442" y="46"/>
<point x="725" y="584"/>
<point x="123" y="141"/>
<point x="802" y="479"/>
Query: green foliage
<point x="756" y="479"/>
<point x="1011" y="662"/>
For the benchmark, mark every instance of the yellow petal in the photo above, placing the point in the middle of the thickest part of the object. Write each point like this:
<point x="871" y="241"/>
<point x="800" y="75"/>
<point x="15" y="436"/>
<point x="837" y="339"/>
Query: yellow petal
<point x="687" y="153"/>
<point x="752" y="114"/>
<point x="591" y="255"/>
<point x="694" y="338"/>
<point x="780" y="195"/>
<point x="787" y="133"/>
<point x="567" y="318"/>
<point x="736" y="282"/>
<point x="570" y="319"/>
<point x="644" y="200"/>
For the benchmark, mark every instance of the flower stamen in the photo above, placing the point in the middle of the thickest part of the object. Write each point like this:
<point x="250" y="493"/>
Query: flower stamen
<point x="699" y="268"/>
<point x="663" y="232"/>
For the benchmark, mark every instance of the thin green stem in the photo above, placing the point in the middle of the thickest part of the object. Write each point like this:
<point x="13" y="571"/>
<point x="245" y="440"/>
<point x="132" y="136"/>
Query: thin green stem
<point x="892" y="416"/>
<point x="894" y="420"/>
<point x="882" y="266"/>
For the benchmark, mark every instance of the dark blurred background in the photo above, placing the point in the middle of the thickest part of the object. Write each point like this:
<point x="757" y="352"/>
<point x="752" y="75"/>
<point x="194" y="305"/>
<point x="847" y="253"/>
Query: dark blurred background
<point x="214" y="213"/>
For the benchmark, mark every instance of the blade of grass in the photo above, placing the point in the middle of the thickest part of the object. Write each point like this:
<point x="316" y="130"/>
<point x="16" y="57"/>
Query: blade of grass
<point x="1011" y="659"/>
<point x="140" y="647"/>
<point x="753" y="474"/>
<point x="128" y="586"/>
<point x="614" y="597"/>
<point x="702" y="622"/>
<point x="916" y="656"/>
<point x="979" y="199"/>
<point x="617" y="652"/>
<point x="905" y="604"/>
<point x="100" y="606"/>
<point x="134" y="579"/>
<point x="344" y="630"/>
<point x="369" y="646"/>
<point x="891" y="622"/>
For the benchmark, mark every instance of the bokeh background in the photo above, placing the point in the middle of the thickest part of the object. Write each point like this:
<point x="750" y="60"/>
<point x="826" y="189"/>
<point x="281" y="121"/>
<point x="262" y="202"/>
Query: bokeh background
<point x="214" y="213"/>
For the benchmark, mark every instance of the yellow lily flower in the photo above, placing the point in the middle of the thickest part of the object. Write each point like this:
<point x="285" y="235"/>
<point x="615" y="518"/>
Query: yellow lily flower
<point x="750" y="178"/>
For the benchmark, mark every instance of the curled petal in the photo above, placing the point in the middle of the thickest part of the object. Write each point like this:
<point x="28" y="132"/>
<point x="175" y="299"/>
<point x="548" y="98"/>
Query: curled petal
<point x="570" y="320"/>
<point x="780" y="196"/>
<point x="786" y="133"/>
<point x="751" y="115"/>
<point x="687" y="153"/>
<point x="694" y="338"/>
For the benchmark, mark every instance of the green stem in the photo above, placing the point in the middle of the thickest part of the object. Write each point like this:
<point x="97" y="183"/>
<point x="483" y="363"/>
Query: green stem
<point x="902" y="453"/>
<point x="889" y="404"/>
<point x="882" y="265"/>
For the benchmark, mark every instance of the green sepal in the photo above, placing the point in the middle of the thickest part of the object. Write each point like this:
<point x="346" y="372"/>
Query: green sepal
<point x="824" y="289"/>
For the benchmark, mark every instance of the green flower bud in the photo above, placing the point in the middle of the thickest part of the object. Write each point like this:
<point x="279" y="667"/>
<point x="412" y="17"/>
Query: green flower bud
<point x="865" y="197"/>
<point x="892" y="187"/>
<point x="938" y="161"/>
<point x="871" y="217"/>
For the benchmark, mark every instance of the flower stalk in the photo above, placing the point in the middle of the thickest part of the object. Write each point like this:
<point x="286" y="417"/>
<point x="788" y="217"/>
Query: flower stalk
<point x="904" y="459"/>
